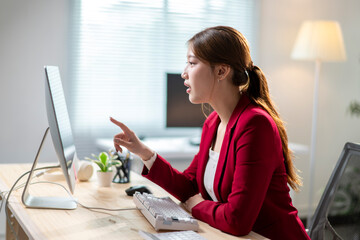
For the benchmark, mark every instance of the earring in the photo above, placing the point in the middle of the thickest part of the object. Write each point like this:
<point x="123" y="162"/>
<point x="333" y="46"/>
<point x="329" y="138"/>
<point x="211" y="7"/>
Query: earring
<point x="218" y="80"/>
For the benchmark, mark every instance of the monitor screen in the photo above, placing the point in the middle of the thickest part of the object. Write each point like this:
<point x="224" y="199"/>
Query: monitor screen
<point x="180" y="112"/>
<point x="59" y="124"/>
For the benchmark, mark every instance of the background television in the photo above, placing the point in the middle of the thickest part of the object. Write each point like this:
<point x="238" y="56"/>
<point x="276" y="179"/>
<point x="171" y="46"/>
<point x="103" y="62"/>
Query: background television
<point x="180" y="112"/>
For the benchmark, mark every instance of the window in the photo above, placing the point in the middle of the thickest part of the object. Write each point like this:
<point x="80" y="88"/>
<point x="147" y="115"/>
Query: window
<point x="121" y="51"/>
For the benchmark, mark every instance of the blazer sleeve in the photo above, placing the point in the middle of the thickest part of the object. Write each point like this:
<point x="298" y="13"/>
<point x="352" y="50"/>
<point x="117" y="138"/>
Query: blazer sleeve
<point x="181" y="185"/>
<point x="255" y="163"/>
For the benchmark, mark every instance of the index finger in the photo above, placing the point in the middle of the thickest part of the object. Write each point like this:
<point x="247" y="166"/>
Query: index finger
<point x="121" y="125"/>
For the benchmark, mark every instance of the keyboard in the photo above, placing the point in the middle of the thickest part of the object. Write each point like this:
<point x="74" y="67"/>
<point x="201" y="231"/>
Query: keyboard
<point x="182" y="235"/>
<point x="164" y="213"/>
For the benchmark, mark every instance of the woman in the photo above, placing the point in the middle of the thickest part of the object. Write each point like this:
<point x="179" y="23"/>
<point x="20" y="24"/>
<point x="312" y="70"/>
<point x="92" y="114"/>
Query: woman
<point x="238" y="180"/>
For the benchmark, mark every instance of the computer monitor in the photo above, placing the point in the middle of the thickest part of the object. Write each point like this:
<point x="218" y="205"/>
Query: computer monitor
<point x="60" y="129"/>
<point x="180" y="112"/>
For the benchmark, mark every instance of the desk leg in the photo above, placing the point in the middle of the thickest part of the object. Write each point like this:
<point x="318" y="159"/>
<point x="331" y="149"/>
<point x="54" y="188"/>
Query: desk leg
<point x="18" y="229"/>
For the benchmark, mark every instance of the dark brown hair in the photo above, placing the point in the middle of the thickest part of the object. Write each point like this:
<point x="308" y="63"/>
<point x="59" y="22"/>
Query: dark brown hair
<point x="226" y="45"/>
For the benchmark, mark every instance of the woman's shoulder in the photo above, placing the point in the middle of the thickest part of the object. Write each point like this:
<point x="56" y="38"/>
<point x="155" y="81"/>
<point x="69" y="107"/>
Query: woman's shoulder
<point x="255" y="115"/>
<point x="256" y="111"/>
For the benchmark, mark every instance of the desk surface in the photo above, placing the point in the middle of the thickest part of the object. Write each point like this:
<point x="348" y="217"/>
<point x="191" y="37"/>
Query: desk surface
<point x="82" y="223"/>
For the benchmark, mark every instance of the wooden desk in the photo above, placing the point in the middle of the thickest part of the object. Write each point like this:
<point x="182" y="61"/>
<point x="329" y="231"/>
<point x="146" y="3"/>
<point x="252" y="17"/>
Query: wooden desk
<point x="82" y="223"/>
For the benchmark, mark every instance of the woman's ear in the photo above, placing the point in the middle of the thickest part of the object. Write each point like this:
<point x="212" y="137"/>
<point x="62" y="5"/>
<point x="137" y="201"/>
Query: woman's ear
<point x="222" y="71"/>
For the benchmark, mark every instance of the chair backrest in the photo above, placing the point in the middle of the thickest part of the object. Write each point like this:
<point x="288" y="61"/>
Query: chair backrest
<point x="338" y="213"/>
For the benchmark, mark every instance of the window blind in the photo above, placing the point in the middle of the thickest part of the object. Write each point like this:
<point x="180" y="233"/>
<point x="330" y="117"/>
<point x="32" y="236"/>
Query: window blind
<point x="120" y="54"/>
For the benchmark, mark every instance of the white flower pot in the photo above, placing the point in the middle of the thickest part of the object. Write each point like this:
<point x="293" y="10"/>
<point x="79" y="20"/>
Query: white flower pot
<point x="104" y="178"/>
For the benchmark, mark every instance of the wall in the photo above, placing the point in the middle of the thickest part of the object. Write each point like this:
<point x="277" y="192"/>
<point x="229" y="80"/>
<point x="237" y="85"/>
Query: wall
<point x="291" y="83"/>
<point x="32" y="34"/>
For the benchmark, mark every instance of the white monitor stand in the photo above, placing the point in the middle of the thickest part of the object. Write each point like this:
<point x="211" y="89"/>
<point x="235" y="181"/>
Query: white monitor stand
<point x="31" y="201"/>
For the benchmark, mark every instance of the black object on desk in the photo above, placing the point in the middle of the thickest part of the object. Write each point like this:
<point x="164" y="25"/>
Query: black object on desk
<point x="123" y="171"/>
<point x="140" y="188"/>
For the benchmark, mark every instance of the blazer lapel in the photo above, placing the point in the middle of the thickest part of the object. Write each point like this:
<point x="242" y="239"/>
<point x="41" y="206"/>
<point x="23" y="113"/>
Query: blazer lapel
<point x="242" y="104"/>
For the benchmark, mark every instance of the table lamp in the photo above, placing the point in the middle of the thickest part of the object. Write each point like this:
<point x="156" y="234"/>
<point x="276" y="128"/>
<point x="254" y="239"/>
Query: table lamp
<point x="317" y="41"/>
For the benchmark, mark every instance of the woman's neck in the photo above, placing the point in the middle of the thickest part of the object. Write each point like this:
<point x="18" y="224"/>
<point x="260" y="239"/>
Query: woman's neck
<point x="225" y="104"/>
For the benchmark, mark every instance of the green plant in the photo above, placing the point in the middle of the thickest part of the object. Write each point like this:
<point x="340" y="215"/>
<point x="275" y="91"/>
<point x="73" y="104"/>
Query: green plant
<point x="105" y="161"/>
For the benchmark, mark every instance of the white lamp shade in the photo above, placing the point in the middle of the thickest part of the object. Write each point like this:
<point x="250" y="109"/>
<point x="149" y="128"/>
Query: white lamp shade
<point x="319" y="40"/>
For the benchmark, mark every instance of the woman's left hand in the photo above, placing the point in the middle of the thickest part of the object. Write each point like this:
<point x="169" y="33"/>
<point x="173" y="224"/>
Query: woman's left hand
<point x="193" y="201"/>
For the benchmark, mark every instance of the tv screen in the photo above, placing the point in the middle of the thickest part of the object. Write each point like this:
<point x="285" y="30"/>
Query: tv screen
<point x="180" y="112"/>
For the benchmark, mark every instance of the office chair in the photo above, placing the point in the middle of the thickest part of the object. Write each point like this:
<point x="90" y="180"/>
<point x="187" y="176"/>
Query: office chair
<point x="338" y="213"/>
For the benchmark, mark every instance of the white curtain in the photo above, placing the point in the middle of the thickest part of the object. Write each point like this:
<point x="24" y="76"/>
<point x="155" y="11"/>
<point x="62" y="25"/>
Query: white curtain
<point x="120" y="54"/>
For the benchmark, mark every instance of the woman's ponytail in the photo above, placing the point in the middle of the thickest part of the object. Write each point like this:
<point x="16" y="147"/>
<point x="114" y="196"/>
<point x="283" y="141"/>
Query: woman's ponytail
<point x="258" y="91"/>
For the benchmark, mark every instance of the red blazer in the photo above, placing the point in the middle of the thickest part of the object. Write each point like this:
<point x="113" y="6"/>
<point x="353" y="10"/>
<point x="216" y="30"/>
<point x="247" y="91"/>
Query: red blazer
<point x="250" y="180"/>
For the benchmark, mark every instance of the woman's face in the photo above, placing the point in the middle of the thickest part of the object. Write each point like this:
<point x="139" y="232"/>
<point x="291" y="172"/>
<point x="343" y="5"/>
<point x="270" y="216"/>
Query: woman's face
<point x="199" y="78"/>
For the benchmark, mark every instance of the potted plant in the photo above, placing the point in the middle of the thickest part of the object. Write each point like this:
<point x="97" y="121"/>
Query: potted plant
<point x="105" y="161"/>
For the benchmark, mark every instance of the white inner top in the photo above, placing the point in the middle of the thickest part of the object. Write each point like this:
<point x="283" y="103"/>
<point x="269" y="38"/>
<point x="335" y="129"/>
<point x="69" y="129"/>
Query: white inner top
<point x="209" y="175"/>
